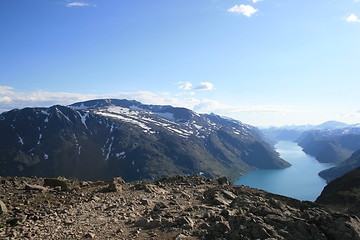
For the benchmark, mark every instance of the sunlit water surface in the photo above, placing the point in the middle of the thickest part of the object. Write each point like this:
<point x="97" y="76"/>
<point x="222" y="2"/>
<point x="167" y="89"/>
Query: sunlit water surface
<point x="300" y="181"/>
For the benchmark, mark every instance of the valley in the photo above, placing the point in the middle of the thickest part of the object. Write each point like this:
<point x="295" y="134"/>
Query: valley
<point x="300" y="181"/>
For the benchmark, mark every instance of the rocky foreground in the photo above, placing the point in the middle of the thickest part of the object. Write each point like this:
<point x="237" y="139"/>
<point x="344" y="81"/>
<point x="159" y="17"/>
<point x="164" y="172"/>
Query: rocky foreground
<point x="180" y="207"/>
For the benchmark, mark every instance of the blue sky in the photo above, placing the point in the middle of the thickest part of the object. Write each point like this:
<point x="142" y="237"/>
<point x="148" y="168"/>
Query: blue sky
<point x="269" y="62"/>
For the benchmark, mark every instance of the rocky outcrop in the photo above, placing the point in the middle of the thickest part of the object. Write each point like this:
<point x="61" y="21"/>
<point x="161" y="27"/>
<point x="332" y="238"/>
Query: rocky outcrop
<point x="180" y="207"/>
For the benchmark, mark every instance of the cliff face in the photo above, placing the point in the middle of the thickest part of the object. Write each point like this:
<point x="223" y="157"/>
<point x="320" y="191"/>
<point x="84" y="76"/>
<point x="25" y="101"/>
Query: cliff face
<point x="181" y="207"/>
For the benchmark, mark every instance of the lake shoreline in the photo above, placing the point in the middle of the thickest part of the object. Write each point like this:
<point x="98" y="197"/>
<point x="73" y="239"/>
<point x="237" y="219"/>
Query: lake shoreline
<point x="299" y="181"/>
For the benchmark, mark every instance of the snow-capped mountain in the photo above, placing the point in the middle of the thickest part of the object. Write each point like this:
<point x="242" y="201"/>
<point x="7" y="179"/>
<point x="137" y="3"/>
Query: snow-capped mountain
<point x="100" y="139"/>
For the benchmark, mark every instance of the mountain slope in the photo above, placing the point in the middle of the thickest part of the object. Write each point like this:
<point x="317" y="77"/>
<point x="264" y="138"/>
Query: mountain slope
<point x="343" y="193"/>
<point x="100" y="139"/>
<point x="346" y="166"/>
<point x="331" y="145"/>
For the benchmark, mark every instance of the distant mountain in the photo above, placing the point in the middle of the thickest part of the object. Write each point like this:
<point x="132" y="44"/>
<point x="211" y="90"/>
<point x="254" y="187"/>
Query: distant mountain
<point x="293" y="132"/>
<point x="344" y="167"/>
<point x="343" y="193"/>
<point x="105" y="138"/>
<point x="331" y="125"/>
<point x="331" y="145"/>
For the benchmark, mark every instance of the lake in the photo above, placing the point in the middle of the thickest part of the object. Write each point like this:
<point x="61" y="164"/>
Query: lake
<point x="300" y="181"/>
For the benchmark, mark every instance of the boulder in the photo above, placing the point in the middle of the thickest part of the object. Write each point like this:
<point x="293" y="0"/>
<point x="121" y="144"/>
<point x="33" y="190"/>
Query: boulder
<point x="216" y="196"/>
<point x="57" y="182"/>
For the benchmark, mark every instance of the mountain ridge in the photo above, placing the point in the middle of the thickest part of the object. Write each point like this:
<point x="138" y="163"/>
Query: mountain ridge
<point x="105" y="138"/>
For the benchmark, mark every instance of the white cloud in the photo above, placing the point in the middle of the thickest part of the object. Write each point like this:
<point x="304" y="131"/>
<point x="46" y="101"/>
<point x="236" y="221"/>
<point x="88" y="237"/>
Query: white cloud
<point x="246" y="10"/>
<point x="6" y="90"/>
<point x="15" y="99"/>
<point x="80" y="4"/>
<point x="206" y="105"/>
<point x="185" y="85"/>
<point x="353" y="18"/>
<point x="255" y="1"/>
<point x="205" y="86"/>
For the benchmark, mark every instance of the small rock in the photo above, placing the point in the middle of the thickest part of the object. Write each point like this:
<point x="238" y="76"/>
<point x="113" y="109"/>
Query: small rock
<point x="68" y="222"/>
<point x="145" y="202"/>
<point x="89" y="235"/>
<point x="223" y="181"/>
<point x="3" y="209"/>
<point x="181" y="236"/>
<point x="159" y="206"/>
<point x="17" y="220"/>
<point x="186" y="222"/>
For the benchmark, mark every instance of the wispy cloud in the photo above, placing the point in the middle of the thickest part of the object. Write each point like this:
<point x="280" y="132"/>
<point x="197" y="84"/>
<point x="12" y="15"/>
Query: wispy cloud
<point x="244" y="9"/>
<point x="6" y="90"/>
<point x="185" y="85"/>
<point x="207" y="105"/>
<point x="10" y="99"/>
<point x="255" y="1"/>
<point x="80" y="4"/>
<point x="205" y="86"/>
<point x="353" y="18"/>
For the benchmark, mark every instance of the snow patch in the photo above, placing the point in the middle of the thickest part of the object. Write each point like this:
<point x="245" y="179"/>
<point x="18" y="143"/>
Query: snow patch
<point x="121" y="155"/>
<point x="47" y="115"/>
<point x="83" y="118"/>
<point x="21" y="140"/>
<point x="109" y="149"/>
<point x="81" y="107"/>
<point x="66" y="117"/>
<point x="166" y="115"/>
<point x="126" y="119"/>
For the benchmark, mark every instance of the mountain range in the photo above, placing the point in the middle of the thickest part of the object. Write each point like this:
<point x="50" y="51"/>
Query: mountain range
<point x="331" y="142"/>
<point x="105" y="138"/>
<point x="331" y="145"/>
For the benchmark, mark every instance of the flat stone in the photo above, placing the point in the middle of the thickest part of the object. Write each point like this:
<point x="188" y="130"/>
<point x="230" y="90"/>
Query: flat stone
<point x="36" y="188"/>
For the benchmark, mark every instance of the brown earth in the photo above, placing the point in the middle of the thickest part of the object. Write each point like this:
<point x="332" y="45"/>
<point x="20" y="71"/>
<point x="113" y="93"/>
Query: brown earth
<point x="181" y="207"/>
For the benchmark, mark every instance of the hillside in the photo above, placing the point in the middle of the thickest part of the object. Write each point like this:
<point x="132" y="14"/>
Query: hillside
<point x="101" y="139"/>
<point x="181" y="207"/>
<point x="331" y="145"/>
<point x="344" y="167"/>
<point x="343" y="193"/>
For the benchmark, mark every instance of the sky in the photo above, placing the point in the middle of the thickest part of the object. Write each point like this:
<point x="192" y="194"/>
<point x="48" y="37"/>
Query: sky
<point x="263" y="62"/>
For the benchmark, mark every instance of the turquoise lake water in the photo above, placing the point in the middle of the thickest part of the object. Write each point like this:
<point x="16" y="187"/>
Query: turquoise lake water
<point x="300" y="181"/>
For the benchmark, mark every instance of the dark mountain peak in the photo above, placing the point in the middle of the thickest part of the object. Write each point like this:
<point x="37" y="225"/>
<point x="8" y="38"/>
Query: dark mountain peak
<point x="169" y="112"/>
